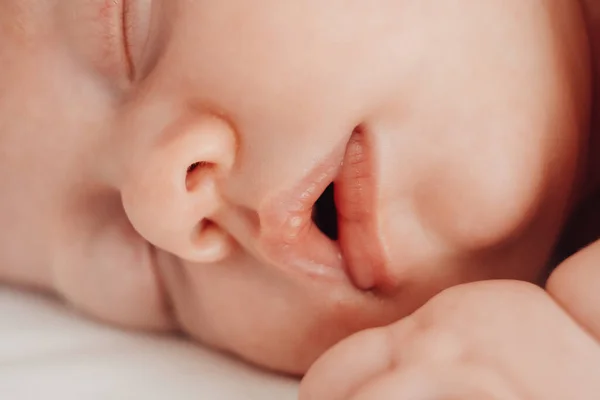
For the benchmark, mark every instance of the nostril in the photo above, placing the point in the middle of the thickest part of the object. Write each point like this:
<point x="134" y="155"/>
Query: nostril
<point x="201" y="228"/>
<point x="192" y="167"/>
<point x="195" y="173"/>
<point x="209" y="243"/>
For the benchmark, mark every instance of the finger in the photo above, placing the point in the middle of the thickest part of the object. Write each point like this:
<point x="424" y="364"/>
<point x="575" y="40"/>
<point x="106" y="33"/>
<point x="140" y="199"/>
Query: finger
<point x="574" y="285"/>
<point x="434" y="383"/>
<point x="348" y="366"/>
<point x="399" y="385"/>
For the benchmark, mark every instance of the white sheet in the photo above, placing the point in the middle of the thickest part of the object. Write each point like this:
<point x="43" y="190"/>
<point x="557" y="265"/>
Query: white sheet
<point x="48" y="352"/>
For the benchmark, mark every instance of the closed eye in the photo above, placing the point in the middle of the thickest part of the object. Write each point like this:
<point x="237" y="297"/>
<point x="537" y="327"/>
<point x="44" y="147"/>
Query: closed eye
<point x="125" y="25"/>
<point x="127" y="34"/>
<point x="136" y="26"/>
<point x="107" y="24"/>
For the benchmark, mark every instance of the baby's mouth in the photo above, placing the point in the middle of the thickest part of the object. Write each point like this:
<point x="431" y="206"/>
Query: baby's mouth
<point x="326" y="225"/>
<point x="324" y="213"/>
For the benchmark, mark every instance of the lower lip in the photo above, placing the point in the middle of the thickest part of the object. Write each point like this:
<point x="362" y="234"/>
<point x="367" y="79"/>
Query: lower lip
<point x="314" y="255"/>
<point x="355" y="201"/>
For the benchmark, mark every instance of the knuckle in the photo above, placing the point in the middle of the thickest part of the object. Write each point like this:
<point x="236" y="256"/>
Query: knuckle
<point x="486" y="302"/>
<point x="429" y="340"/>
<point x="440" y="345"/>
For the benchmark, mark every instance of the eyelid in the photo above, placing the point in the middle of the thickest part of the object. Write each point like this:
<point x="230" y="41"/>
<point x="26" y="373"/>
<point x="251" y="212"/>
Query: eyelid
<point x="128" y="29"/>
<point x="137" y="16"/>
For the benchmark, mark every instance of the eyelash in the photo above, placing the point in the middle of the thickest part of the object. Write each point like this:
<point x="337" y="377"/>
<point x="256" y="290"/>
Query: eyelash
<point x="126" y="34"/>
<point x="122" y="35"/>
<point x="115" y="21"/>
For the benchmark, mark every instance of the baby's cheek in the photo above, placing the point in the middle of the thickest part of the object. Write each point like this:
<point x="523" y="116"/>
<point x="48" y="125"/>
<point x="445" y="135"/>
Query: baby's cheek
<point x="487" y="155"/>
<point x="476" y="201"/>
<point x="507" y="178"/>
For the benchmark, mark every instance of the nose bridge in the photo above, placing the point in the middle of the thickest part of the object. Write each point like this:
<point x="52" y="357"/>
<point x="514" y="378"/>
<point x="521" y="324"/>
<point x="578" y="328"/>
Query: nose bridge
<point x="171" y="192"/>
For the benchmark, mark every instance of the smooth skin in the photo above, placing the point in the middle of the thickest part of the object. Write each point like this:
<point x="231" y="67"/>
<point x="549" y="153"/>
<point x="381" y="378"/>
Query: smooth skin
<point x="497" y="340"/>
<point x="142" y="171"/>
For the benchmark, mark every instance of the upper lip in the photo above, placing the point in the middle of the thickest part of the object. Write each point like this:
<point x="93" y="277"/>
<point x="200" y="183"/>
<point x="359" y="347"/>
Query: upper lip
<point x="290" y="239"/>
<point x="288" y="236"/>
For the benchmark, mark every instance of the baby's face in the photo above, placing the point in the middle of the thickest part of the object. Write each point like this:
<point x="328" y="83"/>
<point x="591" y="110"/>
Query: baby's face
<point x="161" y="160"/>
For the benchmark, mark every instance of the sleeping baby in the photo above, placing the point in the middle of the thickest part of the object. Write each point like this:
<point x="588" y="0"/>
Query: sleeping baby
<point x="272" y="178"/>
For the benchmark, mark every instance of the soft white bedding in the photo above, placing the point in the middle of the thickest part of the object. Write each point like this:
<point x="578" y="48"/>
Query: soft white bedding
<point x="48" y="352"/>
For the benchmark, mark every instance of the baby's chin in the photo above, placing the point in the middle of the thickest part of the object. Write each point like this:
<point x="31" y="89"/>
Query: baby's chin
<point x="279" y="322"/>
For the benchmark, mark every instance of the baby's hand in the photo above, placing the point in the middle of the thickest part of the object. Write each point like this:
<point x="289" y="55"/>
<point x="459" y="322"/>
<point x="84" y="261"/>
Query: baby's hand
<point x="480" y="341"/>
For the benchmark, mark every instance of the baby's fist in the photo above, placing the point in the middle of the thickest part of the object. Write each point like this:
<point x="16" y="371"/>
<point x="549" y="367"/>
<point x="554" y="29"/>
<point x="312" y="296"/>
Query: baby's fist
<point x="487" y="340"/>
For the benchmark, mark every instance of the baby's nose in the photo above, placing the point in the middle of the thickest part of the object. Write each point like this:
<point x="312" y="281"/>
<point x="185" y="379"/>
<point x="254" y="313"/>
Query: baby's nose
<point x="172" y="192"/>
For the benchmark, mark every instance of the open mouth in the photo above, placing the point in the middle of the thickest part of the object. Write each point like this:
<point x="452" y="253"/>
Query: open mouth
<point x="324" y="213"/>
<point x="326" y="224"/>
